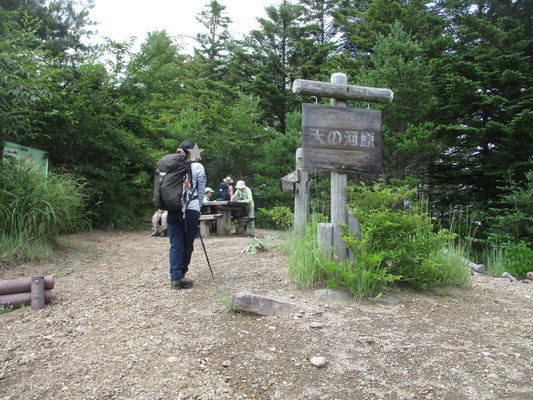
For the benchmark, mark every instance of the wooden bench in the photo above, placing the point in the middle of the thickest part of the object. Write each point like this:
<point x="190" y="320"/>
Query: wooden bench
<point x="242" y="224"/>
<point x="206" y="221"/>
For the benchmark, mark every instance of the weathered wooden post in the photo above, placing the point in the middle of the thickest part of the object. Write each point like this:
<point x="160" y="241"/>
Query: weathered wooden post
<point x="37" y="292"/>
<point x="301" y="198"/>
<point x="339" y="140"/>
<point x="296" y="183"/>
<point x="339" y="213"/>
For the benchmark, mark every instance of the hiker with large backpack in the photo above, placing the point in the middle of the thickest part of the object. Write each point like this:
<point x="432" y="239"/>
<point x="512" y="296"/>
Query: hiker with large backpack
<point x="179" y="187"/>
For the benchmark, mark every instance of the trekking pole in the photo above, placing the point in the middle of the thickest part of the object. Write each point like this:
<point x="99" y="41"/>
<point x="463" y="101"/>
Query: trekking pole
<point x="205" y="252"/>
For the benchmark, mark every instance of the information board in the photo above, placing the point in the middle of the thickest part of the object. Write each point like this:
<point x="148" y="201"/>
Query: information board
<point x="22" y="152"/>
<point x="341" y="139"/>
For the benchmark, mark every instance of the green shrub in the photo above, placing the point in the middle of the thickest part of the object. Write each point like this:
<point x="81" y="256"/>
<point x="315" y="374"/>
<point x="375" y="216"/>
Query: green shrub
<point x="397" y="236"/>
<point x="363" y="279"/>
<point x="280" y="217"/>
<point x="34" y="209"/>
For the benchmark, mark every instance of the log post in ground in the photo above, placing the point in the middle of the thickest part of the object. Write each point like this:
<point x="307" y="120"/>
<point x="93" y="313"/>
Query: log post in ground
<point x="338" y="187"/>
<point x="325" y="239"/>
<point x="301" y="196"/>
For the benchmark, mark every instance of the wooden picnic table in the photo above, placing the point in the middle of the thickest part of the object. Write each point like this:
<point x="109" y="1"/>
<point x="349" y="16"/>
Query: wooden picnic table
<point x="225" y="208"/>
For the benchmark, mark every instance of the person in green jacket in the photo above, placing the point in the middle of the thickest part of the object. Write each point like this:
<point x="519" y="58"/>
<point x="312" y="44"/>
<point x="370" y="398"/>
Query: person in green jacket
<point x="243" y="192"/>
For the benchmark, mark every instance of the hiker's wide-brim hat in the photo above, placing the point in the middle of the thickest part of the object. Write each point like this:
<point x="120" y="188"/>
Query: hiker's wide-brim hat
<point x="240" y="185"/>
<point x="228" y="179"/>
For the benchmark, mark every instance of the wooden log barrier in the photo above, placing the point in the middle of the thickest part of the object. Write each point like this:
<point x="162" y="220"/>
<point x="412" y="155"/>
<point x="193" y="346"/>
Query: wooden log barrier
<point x="18" y="299"/>
<point x="23" y="285"/>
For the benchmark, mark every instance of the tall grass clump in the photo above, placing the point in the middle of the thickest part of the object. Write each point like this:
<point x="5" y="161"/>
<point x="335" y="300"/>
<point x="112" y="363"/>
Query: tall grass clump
<point x="305" y="258"/>
<point x="515" y="258"/>
<point x="35" y="209"/>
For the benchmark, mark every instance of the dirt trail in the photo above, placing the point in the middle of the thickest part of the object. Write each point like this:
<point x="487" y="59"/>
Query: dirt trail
<point x="116" y="331"/>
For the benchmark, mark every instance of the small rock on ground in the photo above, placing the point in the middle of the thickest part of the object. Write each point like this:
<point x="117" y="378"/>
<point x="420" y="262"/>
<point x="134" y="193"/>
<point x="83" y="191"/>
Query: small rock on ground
<point x="319" y="361"/>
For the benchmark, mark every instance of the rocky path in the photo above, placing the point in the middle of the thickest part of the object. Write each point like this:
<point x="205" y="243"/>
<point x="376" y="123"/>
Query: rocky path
<point x="116" y="331"/>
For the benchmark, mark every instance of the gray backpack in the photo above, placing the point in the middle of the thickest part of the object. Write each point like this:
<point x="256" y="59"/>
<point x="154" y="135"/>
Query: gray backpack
<point x="172" y="180"/>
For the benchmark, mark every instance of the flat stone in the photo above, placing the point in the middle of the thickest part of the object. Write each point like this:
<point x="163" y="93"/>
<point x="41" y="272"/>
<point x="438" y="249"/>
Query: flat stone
<point x="172" y="359"/>
<point x="509" y="276"/>
<point x="319" y="361"/>
<point x="316" y="325"/>
<point x="332" y="295"/>
<point x="253" y="303"/>
<point x="493" y="376"/>
<point x="226" y="363"/>
<point x="366" y="339"/>
<point x="387" y="300"/>
<point x="502" y="280"/>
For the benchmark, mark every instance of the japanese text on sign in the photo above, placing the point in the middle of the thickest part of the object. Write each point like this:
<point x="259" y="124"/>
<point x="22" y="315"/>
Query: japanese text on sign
<point x="344" y="138"/>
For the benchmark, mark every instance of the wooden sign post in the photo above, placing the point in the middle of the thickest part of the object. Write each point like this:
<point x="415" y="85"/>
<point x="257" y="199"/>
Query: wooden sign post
<point x="301" y="198"/>
<point x="296" y="183"/>
<point x="340" y="140"/>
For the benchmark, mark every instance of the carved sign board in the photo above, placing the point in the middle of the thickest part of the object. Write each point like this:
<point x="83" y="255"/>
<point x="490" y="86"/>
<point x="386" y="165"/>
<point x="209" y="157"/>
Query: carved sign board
<point x="341" y="139"/>
<point x="288" y="182"/>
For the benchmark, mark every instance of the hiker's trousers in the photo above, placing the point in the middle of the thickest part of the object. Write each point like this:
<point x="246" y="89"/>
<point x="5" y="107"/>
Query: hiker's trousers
<point x="181" y="232"/>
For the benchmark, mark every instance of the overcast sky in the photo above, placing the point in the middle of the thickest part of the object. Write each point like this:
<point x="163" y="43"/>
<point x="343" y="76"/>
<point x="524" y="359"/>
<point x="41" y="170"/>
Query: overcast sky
<point x="120" y="19"/>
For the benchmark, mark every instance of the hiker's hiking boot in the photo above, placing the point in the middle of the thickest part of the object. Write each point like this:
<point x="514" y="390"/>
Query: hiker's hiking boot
<point x="181" y="284"/>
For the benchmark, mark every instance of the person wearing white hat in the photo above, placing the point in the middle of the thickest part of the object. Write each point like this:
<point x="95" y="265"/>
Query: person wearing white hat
<point x="244" y="193"/>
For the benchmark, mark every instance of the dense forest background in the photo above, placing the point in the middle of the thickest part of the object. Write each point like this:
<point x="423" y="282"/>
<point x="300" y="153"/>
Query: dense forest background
<point x="461" y="121"/>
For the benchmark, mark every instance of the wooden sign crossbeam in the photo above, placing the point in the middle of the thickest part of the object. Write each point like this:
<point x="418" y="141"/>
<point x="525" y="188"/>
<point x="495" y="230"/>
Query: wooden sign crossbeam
<point x="342" y="91"/>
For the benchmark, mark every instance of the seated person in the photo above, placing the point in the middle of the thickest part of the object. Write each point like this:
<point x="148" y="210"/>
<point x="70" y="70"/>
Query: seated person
<point x="208" y="197"/>
<point x="159" y="223"/>
<point x="243" y="194"/>
<point x="225" y="190"/>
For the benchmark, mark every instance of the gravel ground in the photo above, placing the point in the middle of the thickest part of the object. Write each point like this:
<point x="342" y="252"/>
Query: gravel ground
<point x="115" y="330"/>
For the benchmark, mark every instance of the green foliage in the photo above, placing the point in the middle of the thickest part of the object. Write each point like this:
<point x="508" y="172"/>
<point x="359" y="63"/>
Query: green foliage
<point x="34" y="210"/>
<point x="483" y="78"/>
<point x="364" y="279"/>
<point x="511" y="221"/>
<point x="516" y="258"/>
<point x="223" y="297"/>
<point x="25" y="74"/>
<point x="397" y="234"/>
<point x="305" y="257"/>
<point x="519" y="259"/>
<point x="259" y="245"/>
<point x="397" y="63"/>
<point x="281" y="217"/>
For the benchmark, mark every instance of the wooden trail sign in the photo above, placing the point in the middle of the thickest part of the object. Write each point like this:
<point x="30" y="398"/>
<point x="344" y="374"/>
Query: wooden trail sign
<point x="288" y="182"/>
<point x="340" y="139"/>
